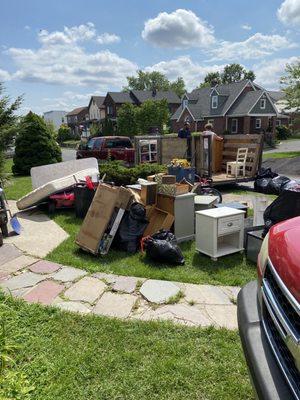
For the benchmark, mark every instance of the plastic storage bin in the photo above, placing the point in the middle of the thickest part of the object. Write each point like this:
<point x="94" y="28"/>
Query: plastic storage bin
<point x="181" y="173"/>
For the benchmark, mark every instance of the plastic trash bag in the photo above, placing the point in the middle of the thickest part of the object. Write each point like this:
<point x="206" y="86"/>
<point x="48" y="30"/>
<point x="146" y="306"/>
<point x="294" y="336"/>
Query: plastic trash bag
<point x="277" y="184"/>
<point x="163" y="247"/>
<point x="266" y="173"/>
<point x="262" y="185"/>
<point x="286" y="206"/>
<point x="131" y="229"/>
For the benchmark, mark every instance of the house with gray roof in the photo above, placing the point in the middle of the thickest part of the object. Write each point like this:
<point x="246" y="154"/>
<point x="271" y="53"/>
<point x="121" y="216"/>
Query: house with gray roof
<point x="96" y="109"/>
<point x="114" y="100"/>
<point x="239" y="108"/>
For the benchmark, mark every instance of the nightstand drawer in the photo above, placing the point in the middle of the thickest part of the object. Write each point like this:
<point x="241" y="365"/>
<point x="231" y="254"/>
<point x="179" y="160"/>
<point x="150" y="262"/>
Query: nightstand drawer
<point x="229" y="224"/>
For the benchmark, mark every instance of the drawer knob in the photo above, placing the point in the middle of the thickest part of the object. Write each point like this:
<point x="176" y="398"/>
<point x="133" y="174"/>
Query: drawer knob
<point x="229" y="224"/>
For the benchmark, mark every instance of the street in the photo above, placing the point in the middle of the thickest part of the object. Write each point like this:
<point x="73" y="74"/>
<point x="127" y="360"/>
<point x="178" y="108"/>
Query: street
<point x="68" y="154"/>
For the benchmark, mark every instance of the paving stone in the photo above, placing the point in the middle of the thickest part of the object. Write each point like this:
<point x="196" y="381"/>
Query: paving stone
<point x="115" y="305"/>
<point x="19" y="292"/>
<point x="109" y="278"/>
<point x="73" y="306"/>
<point x="157" y="291"/>
<point x="223" y="316"/>
<point x="126" y="284"/>
<point x="88" y="289"/>
<point x="27" y="279"/>
<point x="179" y="313"/>
<point x="44" y="293"/>
<point x="8" y="252"/>
<point x="68" y="274"/>
<point x="17" y="264"/>
<point x="205" y="294"/>
<point x="44" y="267"/>
<point x="231" y="291"/>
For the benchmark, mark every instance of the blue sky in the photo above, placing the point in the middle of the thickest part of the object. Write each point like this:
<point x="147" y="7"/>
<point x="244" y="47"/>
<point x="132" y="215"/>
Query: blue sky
<point x="58" y="53"/>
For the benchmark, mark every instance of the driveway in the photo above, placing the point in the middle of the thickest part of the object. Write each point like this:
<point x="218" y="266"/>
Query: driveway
<point x="68" y="154"/>
<point x="286" y="145"/>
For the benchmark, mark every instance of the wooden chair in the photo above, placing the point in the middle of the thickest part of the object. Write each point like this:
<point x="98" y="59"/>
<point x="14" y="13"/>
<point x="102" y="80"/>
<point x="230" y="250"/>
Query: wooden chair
<point x="234" y="167"/>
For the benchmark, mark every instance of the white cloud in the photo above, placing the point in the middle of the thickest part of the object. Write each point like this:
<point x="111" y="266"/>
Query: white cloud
<point x="256" y="46"/>
<point x="180" y="29"/>
<point x="4" y="75"/>
<point x="27" y="28"/>
<point x="268" y="73"/>
<point x="61" y="60"/>
<point x="289" y="12"/>
<point x="108" y="38"/>
<point x="247" y="27"/>
<point x="192" y="73"/>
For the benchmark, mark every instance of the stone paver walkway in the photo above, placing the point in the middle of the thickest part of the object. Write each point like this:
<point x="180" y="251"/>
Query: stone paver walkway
<point x="25" y="275"/>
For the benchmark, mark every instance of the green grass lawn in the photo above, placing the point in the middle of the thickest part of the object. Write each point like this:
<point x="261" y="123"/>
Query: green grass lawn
<point x="15" y="186"/>
<point x="66" y="356"/>
<point x="287" y="154"/>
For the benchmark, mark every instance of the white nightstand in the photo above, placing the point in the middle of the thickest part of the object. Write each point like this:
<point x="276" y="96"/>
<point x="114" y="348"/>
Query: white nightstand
<point x="219" y="231"/>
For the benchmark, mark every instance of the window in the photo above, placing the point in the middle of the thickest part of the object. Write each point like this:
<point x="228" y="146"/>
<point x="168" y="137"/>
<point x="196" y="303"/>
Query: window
<point x="234" y="126"/>
<point x="257" y="123"/>
<point x="214" y="102"/>
<point x="187" y="119"/>
<point x="278" y="122"/>
<point x="109" y="110"/>
<point x="185" y="103"/>
<point x="118" y="143"/>
<point x="90" y="144"/>
<point x="210" y="121"/>
<point x="263" y="103"/>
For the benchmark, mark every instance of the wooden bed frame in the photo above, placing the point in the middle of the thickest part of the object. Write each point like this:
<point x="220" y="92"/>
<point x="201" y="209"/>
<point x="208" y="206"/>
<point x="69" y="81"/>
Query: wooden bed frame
<point x="170" y="146"/>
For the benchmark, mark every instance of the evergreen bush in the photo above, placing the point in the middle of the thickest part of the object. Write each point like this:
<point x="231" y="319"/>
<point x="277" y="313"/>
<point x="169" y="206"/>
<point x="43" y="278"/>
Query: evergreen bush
<point x="35" y="145"/>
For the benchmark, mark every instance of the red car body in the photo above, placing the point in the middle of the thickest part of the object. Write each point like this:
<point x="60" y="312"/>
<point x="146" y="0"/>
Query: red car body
<point x="108" y="148"/>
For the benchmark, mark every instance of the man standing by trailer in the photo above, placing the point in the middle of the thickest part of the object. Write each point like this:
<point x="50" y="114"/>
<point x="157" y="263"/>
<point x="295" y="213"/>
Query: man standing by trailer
<point x="213" y="136"/>
<point x="185" y="133"/>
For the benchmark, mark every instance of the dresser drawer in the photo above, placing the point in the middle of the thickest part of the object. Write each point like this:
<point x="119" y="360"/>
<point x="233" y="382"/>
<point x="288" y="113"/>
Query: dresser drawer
<point x="229" y="224"/>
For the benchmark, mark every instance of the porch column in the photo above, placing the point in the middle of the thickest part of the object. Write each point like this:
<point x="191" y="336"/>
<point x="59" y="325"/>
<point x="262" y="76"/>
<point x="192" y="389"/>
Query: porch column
<point x="246" y="125"/>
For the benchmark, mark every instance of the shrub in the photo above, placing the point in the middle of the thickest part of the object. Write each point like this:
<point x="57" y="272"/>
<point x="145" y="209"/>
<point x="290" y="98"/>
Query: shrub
<point x="35" y="145"/>
<point x="120" y="175"/>
<point x="283" y="132"/>
<point x="64" y="133"/>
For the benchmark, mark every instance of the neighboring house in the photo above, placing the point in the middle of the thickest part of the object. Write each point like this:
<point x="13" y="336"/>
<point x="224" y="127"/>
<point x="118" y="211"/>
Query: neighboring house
<point x="96" y="109"/>
<point x="283" y="108"/>
<point x="78" y="119"/>
<point x="57" y="117"/>
<point x="237" y="108"/>
<point x="114" y="100"/>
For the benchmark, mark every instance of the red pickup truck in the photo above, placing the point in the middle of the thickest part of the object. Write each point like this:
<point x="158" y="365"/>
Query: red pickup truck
<point x="269" y="315"/>
<point x="108" y="148"/>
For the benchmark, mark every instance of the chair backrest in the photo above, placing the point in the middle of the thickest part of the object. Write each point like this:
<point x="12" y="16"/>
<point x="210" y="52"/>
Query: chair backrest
<point x="242" y="155"/>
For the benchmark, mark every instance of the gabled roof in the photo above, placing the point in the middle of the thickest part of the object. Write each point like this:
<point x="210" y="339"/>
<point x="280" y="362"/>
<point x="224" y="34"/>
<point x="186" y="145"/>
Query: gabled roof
<point x="245" y="103"/>
<point x="98" y="100"/>
<point x="144" y="95"/>
<point x="77" y="111"/>
<point x="121" y="97"/>
<point x="276" y="95"/>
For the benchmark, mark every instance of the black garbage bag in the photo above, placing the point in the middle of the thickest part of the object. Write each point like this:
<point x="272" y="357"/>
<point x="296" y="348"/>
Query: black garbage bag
<point x="292" y="185"/>
<point x="266" y="173"/>
<point x="263" y="185"/>
<point x="131" y="229"/>
<point x="286" y="206"/>
<point x="277" y="184"/>
<point x="163" y="247"/>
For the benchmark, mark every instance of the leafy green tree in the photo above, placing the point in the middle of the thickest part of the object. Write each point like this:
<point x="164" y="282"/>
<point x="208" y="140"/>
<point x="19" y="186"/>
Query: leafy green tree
<point x="152" y="114"/>
<point x="108" y="127"/>
<point x="154" y="80"/>
<point x="249" y="75"/>
<point x="291" y="82"/>
<point x="51" y="128"/>
<point x="232" y="73"/>
<point x="35" y="145"/>
<point x="64" y="133"/>
<point x="127" y="120"/>
<point x="8" y="122"/>
<point x="211" y="79"/>
<point x="95" y="129"/>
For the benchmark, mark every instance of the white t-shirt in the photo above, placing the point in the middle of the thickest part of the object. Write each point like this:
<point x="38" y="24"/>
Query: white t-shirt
<point x="208" y="133"/>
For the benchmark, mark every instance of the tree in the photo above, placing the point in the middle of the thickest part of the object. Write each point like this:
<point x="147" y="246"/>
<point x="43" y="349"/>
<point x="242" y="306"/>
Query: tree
<point x="211" y="79"/>
<point x="35" y="145"/>
<point x="95" y="129"/>
<point x="152" y="114"/>
<point x="249" y="75"/>
<point x="108" y="127"/>
<point x="154" y="80"/>
<point x="51" y="128"/>
<point x="291" y="81"/>
<point x="127" y="120"/>
<point x="64" y="133"/>
<point x="232" y="73"/>
<point x="8" y="122"/>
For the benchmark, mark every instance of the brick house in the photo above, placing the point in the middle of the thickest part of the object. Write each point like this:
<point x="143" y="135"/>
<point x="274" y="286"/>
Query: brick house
<point x="237" y="108"/>
<point x="77" y="119"/>
<point x="114" y="100"/>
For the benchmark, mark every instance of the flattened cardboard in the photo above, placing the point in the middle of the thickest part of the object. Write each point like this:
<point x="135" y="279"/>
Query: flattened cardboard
<point x="158" y="219"/>
<point x="106" y="199"/>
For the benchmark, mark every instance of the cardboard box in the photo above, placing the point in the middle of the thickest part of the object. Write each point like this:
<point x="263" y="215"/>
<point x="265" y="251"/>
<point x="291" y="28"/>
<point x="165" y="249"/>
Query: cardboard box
<point x="149" y="193"/>
<point x="173" y="190"/>
<point x="158" y="219"/>
<point x="106" y="200"/>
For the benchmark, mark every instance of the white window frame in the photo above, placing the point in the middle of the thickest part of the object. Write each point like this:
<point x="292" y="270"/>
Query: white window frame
<point x="214" y="101"/>
<point x="235" y="126"/>
<point x="257" y="123"/>
<point x="263" y="103"/>
<point x="187" y="119"/>
<point x="185" y="103"/>
<point x="278" y="122"/>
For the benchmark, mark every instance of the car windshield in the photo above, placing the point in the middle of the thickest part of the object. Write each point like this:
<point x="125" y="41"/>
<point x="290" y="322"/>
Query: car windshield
<point x="118" y="143"/>
<point x="90" y="144"/>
